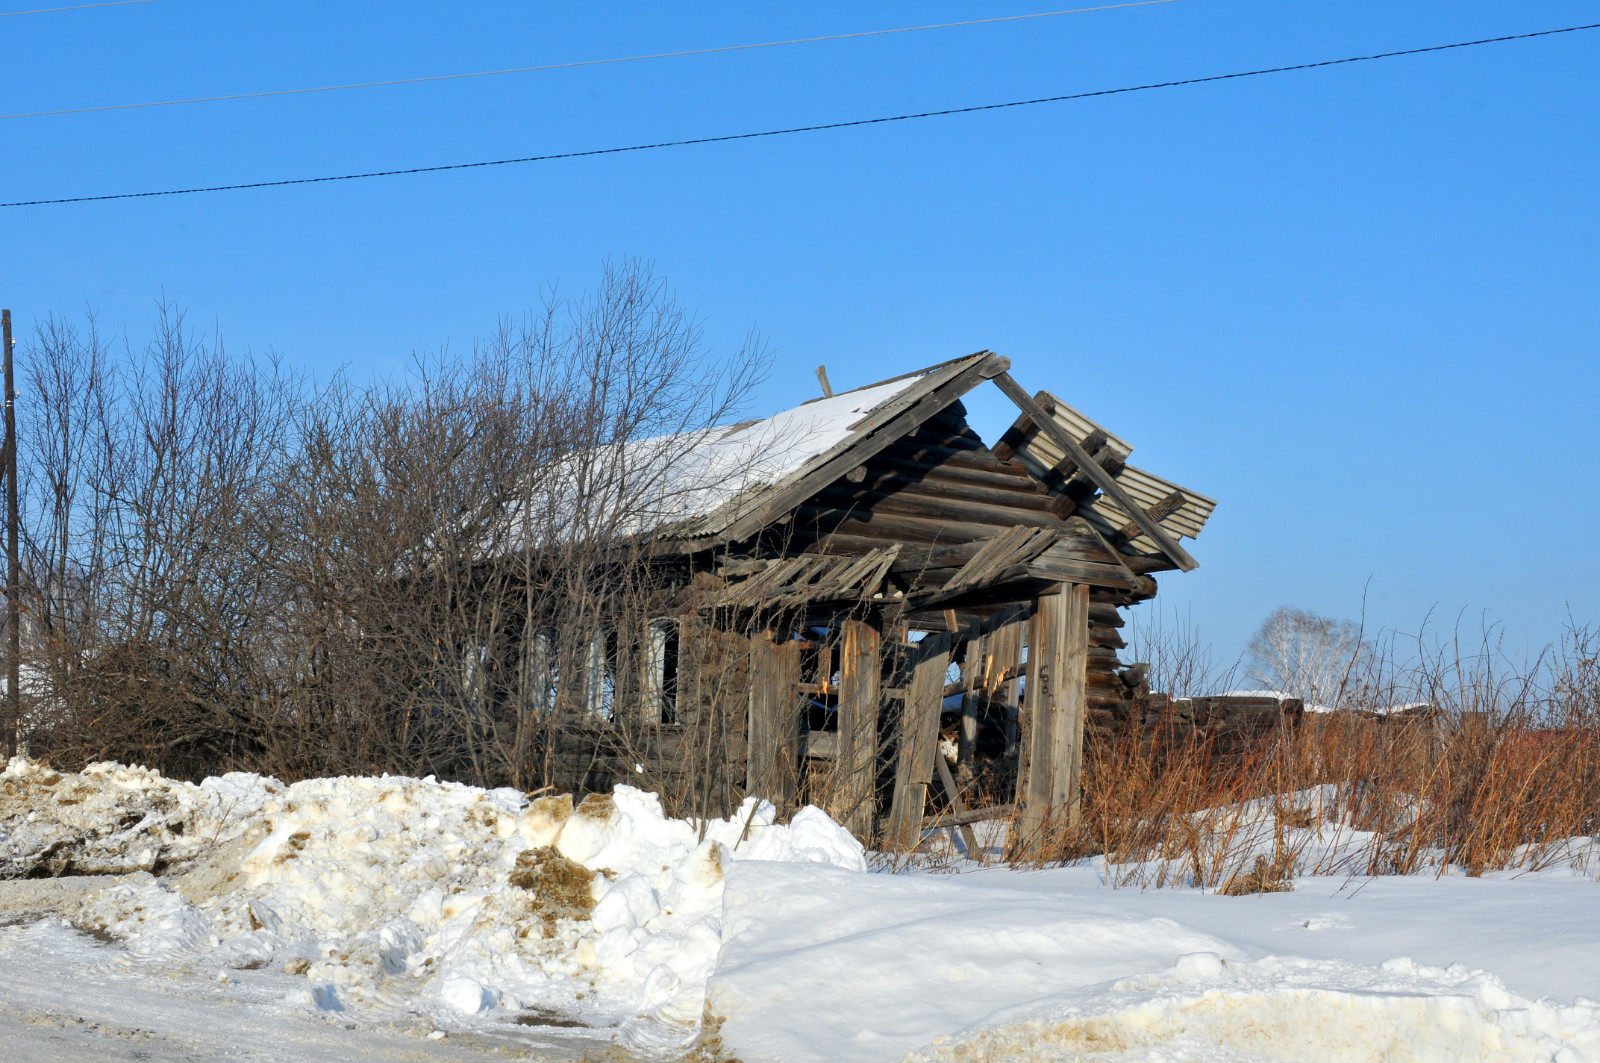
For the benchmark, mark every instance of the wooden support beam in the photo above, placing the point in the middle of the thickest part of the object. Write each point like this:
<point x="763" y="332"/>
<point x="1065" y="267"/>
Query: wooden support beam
<point x="774" y="750"/>
<point x="975" y="815"/>
<point x="919" y="739"/>
<point x="1096" y="474"/>
<point x="860" y="665"/>
<point x="1069" y="693"/>
<point x="1058" y="644"/>
<point x="950" y="791"/>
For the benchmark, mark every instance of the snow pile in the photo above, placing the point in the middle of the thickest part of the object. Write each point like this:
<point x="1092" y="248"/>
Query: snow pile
<point x="398" y="893"/>
<point x="113" y="819"/>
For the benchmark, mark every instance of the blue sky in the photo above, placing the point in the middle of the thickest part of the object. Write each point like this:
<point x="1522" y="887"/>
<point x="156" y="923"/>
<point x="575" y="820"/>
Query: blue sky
<point x="1357" y="306"/>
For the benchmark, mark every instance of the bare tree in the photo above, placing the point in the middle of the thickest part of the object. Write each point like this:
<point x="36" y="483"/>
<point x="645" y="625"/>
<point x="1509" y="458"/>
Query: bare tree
<point x="1304" y="655"/>
<point x="450" y="572"/>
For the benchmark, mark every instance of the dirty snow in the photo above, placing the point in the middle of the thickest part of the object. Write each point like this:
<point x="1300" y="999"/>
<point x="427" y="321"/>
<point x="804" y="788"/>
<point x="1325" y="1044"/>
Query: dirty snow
<point x="386" y="893"/>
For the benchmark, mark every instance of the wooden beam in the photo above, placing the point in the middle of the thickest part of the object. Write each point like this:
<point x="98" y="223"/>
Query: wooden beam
<point x="855" y="782"/>
<point x="1068" y="697"/>
<point x="950" y="791"/>
<point x="974" y="815"/>
<point x="774" y="751"/>
<point x="1037" y="783"/>
<point x="1096" y="474"/>
<point x="919" y="739"/>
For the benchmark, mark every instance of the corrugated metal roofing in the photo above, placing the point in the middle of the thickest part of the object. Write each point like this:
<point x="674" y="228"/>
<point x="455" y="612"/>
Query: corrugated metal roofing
<point x="1040" y="455"/>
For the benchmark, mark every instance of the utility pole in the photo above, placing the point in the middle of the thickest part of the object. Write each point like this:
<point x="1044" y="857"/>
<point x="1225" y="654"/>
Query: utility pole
<point x="13" y="713"/>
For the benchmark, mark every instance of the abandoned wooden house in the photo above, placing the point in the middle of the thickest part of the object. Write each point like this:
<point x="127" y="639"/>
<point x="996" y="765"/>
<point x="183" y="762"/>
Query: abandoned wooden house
<point x="927" y="627"/>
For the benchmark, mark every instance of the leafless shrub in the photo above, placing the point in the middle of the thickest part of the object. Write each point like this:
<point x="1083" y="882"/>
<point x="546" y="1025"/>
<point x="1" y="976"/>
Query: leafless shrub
<point x="231" y="567"/>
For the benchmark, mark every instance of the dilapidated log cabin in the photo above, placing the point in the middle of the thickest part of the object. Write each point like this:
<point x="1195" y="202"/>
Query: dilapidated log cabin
<point x="883" y="615"/>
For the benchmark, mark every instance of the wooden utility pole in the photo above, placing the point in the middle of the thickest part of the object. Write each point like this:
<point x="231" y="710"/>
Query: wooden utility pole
<point x="8" y="727"/>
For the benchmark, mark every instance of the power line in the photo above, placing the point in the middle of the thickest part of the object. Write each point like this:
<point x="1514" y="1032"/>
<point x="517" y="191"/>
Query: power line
<point x="727" y="137"/>
<point x="74" y="7"/>
<point x="576" y="63"/>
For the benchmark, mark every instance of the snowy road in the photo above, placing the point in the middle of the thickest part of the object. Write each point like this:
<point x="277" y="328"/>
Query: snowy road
<point x="65" y="998"/>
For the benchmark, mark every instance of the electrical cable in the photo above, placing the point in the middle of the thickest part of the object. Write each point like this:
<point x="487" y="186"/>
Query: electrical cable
<point x="727" y="137"/>
<point x="74" y="7"/>
<point x="573" y="64"/>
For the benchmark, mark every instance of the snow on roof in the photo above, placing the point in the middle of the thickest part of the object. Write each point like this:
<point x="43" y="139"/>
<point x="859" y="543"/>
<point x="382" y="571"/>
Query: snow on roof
<point x="726" y="464"/>
<point x="696" y="483"/>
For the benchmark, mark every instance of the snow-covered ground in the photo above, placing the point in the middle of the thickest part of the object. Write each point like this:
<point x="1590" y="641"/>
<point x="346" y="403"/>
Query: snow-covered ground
<point x="402" y="919"/>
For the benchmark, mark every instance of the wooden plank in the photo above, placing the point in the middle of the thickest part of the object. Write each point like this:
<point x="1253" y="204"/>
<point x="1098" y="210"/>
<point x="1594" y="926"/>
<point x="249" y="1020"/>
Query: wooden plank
<point x="1067" y="704"/>
<point x="973" y="815"/>
<point x="950" y="791"/>
<point x="774" y="749"/>
<point x="1096" y="474"/>
<point x="974" y="681"/>
<point x="919" y="739"/>
<point x="1038" y="783"/>
<point x="856" y="771"/>
<point x="1160" y="511"/>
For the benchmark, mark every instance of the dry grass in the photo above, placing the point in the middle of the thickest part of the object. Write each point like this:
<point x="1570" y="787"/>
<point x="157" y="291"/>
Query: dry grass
<point x="1502" y="771"/>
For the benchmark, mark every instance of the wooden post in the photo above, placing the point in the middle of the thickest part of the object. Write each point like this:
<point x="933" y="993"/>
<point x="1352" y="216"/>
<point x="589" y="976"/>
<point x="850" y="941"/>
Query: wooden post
<point x="919" y="738"/>
<point x="975" y="675"/>
<point x="13" y="713"/>
<point x="1005" y="651"/>
<point x="1058" y="653"/>
<point x="856" y="768"/>
<point x="774" y="751"/>
<point x="1070" y="703"/>
<point x="1037" y="783"/>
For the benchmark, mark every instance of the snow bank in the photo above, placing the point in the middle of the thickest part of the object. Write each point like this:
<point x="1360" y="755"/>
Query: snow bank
<point x="1003" y="966"/>
<point x="1203" y="1009"/>
<point x="386" y="892"/>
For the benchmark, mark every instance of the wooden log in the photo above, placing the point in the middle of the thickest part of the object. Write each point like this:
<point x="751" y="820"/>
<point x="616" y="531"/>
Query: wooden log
<point x="935" y="487"/>
<point x="860" y="667"/>
<point x="874" y="434"/>
<point x="919" y="739"/>
<point x="774" y="746"/>
<point x="894" y="527"/>
<point x="996" y="510"/>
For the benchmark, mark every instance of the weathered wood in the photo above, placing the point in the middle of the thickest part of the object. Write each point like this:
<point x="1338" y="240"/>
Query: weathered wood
<point x="874" y="434"/>
<point x="894" y="527"/>
<point x="919" y="738"/>
<point x="997" y="513"/>
<point x="856" y="770"/>
<point x="1067" y="697"/>
<point x="1096" y="474"/>
<point x="951" y="792"/>
<point x="1088" y="572"/>
<point x="774" y="748"/>
<point x="974" y="673"/>
<point x="935" y="490"/>
<point x="1035" y="785"/>
<point x="1160" y="511"/>
<point x="974" y="815"/>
